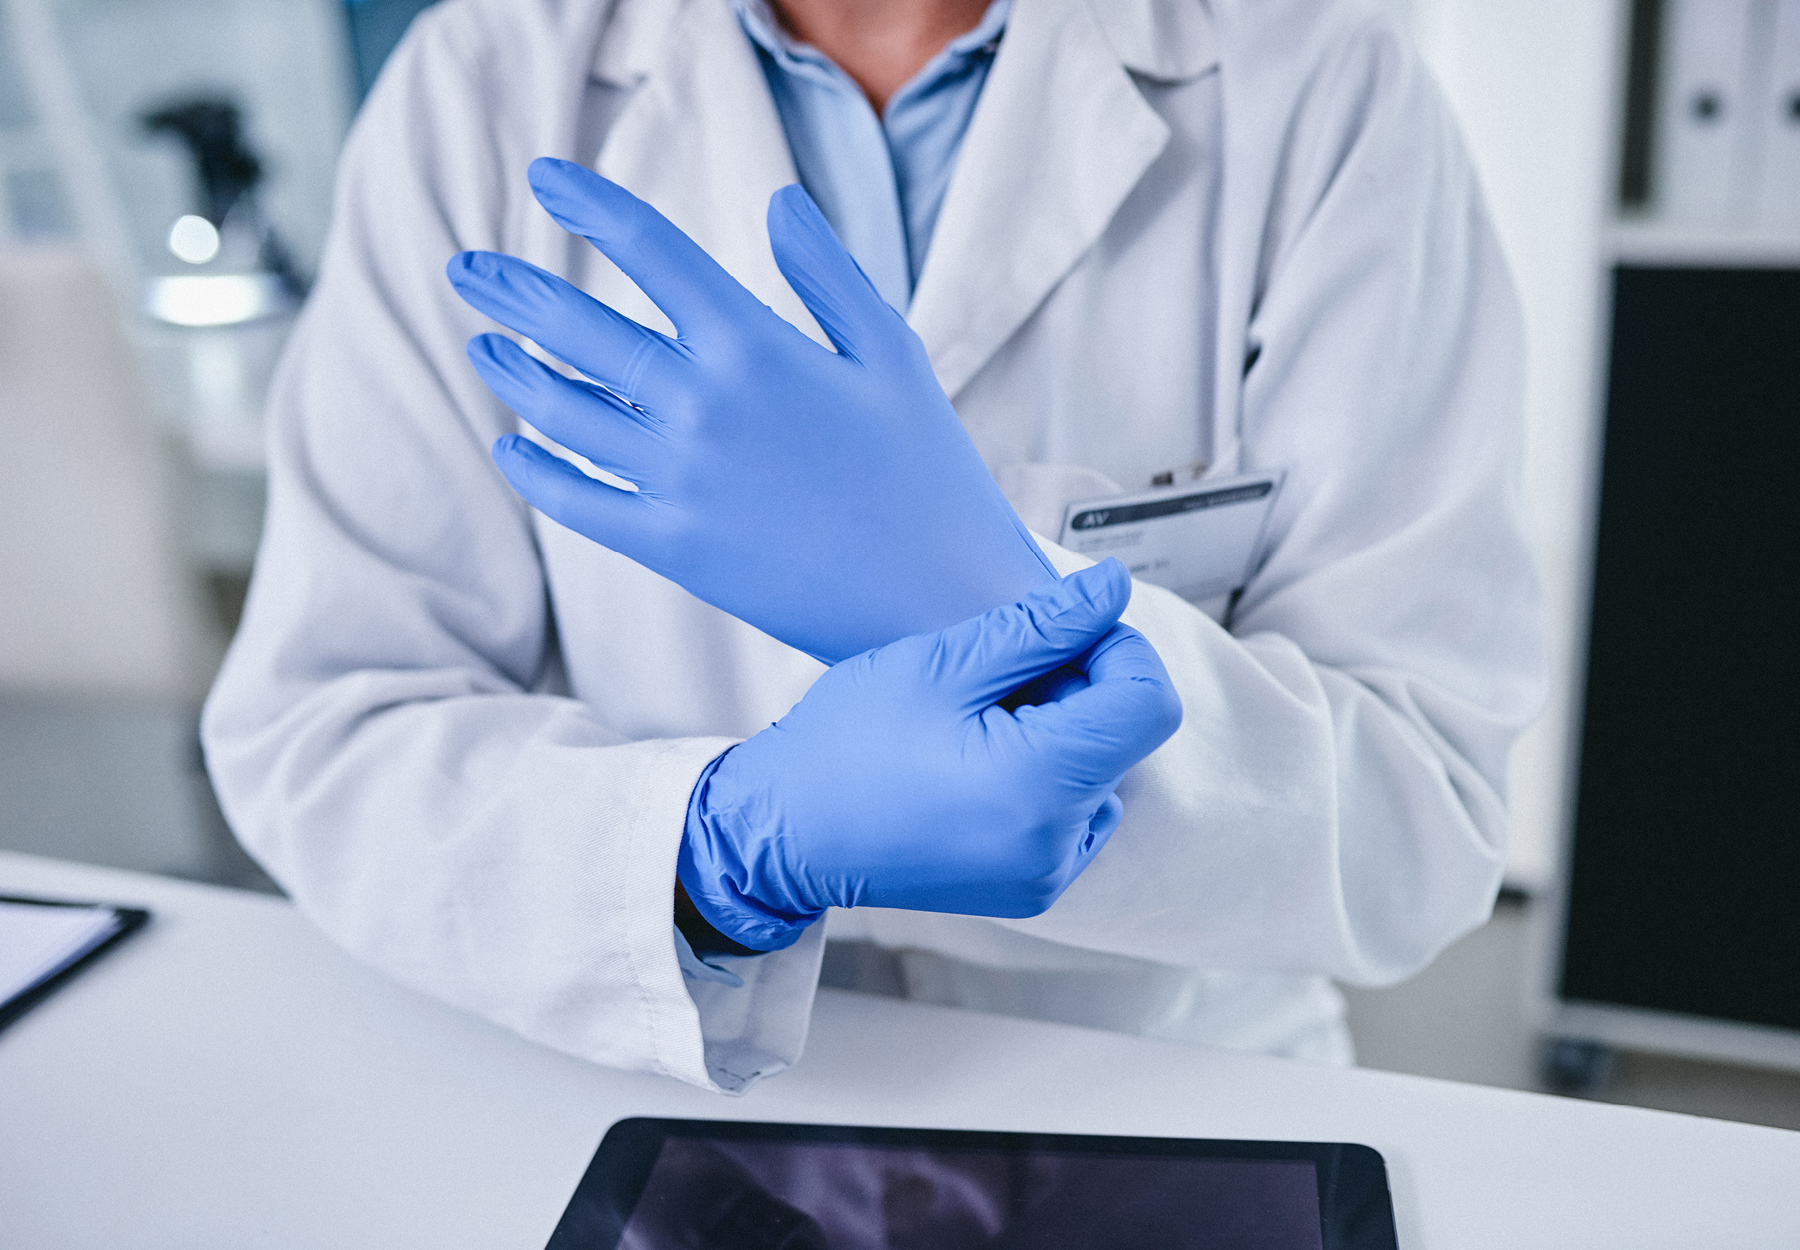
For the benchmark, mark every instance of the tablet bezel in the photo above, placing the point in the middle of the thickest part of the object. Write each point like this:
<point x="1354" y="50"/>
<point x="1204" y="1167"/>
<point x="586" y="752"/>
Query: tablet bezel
<point x="1355" y="1209"/>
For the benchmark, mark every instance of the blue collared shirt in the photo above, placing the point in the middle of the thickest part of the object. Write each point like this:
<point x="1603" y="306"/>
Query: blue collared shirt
<point x="879" y="180"/>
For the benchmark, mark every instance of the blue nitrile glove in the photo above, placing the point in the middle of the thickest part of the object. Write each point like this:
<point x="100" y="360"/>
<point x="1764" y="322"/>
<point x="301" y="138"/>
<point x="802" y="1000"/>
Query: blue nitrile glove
<point x="901" y="781"/>
<point x="831" y="500"/>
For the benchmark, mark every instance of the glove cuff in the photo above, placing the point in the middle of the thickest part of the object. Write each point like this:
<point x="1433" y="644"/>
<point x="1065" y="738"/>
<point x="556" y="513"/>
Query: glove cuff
<point x="714" y="876"/>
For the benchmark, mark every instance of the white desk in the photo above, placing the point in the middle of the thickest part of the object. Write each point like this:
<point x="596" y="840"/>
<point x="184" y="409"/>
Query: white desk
<point x="227" y="1078"/>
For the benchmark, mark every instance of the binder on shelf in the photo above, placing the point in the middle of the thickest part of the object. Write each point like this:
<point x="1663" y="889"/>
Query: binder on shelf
<point x="1706" y="142"/>
<point x="1778" y="196"/>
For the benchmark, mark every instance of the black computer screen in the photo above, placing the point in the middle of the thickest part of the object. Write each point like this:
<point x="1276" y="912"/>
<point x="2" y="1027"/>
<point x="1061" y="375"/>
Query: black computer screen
<point x="1685" y="876"/>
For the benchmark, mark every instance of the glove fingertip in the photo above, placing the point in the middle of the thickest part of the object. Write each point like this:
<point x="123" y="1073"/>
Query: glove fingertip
<point x="1106" y="585"/>
<point x="1079" y="608"/>
<point x="550" y="175"/>
<point x="545" y="168"/>
<point x="579" y="199"/>
<point x="801" y="238"/>
<point x="797" y="205"/>
<point x="503" y="365"/>
<point x="467" y="268"/>
<point x="516" y="447"/>
<point x="483" y="350"/>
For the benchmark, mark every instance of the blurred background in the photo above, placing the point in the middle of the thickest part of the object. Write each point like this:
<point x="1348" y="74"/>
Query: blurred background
<point x="165" y="188"/>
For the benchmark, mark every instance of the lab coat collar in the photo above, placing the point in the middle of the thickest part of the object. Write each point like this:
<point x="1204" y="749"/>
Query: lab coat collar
<point x="1164" y="40"/>
<point x="1061" y="136"/>
<point x="635" y="39"/>
<point x="1059" y="139"/>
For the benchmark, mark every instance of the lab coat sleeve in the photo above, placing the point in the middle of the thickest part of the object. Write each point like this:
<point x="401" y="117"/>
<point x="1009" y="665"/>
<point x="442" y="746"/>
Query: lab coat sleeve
<point x="1335" y="798"/>
<point x="380" y="736"/>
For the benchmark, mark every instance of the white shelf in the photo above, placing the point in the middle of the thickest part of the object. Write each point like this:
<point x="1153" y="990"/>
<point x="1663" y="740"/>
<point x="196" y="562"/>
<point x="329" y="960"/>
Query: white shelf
<point x="1727" y="247"/>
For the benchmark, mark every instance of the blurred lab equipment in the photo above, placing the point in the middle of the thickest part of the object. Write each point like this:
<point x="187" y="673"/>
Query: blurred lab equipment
<point x="251" y="273"/>
<point x="230" y="301"/>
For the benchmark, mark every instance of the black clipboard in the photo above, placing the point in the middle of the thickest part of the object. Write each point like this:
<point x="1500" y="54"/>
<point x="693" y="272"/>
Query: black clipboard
<point x="131" y="919"/>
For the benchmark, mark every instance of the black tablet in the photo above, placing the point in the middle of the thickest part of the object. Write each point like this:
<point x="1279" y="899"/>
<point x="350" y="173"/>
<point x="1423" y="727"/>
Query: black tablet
<point x="706" y="1184"/>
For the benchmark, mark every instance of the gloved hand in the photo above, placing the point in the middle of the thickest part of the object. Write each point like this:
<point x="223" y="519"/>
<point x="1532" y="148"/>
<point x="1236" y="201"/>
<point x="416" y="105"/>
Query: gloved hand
<point x="900" y="781"/>
<point x="831" y="500"/>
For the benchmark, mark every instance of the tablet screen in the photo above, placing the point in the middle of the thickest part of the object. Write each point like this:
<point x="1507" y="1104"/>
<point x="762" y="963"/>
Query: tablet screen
<point x="692" y="1185"/>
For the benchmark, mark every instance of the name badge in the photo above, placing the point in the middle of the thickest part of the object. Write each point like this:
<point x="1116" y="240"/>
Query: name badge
<point x="1200" y="540"/>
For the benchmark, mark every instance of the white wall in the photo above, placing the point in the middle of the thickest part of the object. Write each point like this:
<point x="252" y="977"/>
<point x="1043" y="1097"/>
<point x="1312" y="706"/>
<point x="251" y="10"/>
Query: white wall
<point x="97" y="597"/>
<point x="1535" y="85"/>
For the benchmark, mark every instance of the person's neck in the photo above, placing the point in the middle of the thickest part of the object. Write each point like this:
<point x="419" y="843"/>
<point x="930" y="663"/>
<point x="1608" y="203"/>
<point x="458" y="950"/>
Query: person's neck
<point x="881" y="44"/>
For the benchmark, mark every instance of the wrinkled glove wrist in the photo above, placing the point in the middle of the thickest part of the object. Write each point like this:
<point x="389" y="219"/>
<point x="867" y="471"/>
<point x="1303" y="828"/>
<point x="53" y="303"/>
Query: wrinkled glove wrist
<point x="717" y="879"/>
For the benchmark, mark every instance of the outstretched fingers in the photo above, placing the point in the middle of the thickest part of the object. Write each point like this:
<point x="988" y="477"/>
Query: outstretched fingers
<point x="585" y="418"/>
<point x="567" y="322"/>
<point x="562" y="492"/>
<point x="692" y="288"/>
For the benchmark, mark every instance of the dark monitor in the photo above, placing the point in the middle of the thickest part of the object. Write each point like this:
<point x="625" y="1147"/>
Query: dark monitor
<point x="1684" y="888"/>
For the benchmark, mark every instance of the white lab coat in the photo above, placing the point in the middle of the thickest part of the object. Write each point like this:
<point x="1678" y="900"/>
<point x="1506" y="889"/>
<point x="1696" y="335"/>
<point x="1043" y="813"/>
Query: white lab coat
<point x="1242" y="232"/>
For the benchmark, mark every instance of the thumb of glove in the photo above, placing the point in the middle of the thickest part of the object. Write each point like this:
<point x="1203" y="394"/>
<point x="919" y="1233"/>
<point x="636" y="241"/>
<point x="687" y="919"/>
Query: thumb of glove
<point x="999" y="651"/>
<point x="834" y="288"/>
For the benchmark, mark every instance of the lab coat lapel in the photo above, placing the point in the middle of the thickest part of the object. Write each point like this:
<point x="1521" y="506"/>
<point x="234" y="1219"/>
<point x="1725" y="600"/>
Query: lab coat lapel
<point x="700" y="139"/>
<point x="1059" y="139"/>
